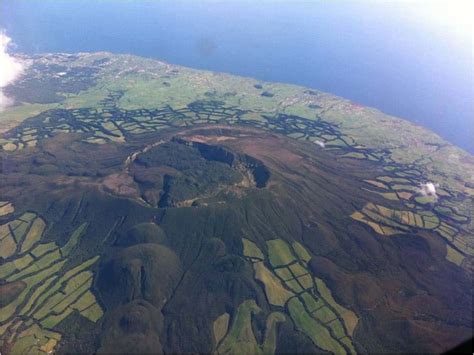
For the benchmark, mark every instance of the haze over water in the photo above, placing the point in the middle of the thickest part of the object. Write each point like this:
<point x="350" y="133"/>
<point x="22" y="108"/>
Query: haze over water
<point x="379" y="55"/>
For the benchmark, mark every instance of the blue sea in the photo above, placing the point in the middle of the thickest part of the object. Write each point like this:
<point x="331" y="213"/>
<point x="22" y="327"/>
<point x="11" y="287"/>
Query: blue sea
<point x="378" y="54"/>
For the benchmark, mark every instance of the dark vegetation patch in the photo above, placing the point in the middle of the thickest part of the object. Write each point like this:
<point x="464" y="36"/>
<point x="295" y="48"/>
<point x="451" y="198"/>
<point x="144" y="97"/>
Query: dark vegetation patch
<point x="9" y="291"/>
<point x="142" y="233"/>
<point x="80" y="335"/>
<point x="210" y="93"/>
<point x="132" y="328"/>
<point x="292" y="341"/>
<point x="267" y="94"/>
<point x="214" y="153"/>
<point x="45" y="83"/>
<point x="202" y="104"/>
<point x="146" y="271"/>
<point x="219" y="282"/>
<point x="469" y="184"/>
<point x="100" y="61"/>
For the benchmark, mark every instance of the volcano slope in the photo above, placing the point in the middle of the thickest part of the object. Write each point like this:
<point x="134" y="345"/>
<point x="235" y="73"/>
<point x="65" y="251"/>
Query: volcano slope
<point x="146" y="207"/>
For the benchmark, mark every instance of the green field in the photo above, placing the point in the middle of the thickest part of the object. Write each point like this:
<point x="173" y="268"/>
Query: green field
<point x="318" y="334"/>
<point x="53" y="293"/>
<point x="276" y="293"/>
<point x="279" y="252"/>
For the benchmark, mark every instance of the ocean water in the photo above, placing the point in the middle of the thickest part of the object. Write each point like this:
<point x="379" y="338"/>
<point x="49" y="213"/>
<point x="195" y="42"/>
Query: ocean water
<point x="376" y="54"/>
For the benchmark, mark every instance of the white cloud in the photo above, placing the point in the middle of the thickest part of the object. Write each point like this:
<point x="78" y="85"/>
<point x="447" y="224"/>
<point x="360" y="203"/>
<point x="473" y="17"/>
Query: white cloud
<point x="429" y="189"/>
<point x="10" y="69"/>
<point x="320" y="143"/>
